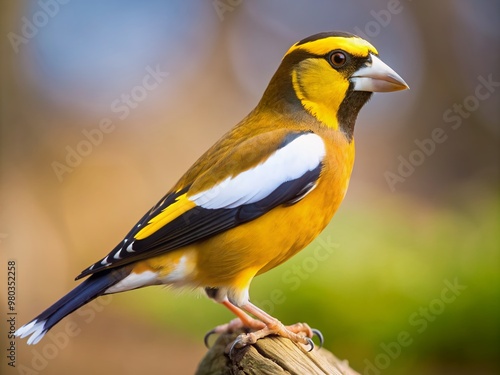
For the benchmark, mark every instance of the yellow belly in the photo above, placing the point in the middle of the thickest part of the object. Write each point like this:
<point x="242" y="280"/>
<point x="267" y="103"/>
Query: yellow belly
<point x="263" y="244"/>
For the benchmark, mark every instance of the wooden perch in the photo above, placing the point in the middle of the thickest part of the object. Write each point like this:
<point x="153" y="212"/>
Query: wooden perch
<point x="270" y="356"/>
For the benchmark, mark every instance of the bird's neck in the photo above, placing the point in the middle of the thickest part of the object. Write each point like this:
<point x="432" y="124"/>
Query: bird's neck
<point x="349" y="109"/>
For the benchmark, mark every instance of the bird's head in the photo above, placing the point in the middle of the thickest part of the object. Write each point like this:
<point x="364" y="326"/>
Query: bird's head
<point x="331" y="75"/>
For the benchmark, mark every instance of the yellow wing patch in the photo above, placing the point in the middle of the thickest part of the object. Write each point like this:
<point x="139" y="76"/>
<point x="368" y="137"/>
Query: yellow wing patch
<point x="181" y="205"/>
<point x="355" y="46"/>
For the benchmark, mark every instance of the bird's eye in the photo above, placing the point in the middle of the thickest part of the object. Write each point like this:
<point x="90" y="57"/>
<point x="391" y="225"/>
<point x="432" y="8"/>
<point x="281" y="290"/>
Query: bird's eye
<point x="338" y="59"/>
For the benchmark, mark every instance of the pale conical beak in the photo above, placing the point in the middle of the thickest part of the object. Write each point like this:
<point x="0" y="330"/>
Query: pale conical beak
<point x="377" y="76"/>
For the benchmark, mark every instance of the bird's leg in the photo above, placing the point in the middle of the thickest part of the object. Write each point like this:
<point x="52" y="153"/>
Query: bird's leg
<point x="300" y="332"/>
<point x="243" y="321"/>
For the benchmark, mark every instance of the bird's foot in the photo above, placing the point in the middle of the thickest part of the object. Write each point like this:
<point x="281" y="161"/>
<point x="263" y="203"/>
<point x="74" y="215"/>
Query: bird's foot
<point x="249" y="324"/>
<point x="299" y="333"/>
<point x="261" y="327"/>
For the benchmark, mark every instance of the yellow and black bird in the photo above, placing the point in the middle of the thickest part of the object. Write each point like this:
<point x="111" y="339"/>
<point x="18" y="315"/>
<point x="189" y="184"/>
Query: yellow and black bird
<point x="258" y="196"/>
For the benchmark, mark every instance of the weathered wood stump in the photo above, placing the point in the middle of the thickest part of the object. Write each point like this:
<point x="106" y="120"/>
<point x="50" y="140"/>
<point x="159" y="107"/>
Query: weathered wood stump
<point x="270" y="356"/>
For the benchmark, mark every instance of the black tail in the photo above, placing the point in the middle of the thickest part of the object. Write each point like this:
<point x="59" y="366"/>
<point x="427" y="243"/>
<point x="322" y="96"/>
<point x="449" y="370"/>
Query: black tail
<point x="91" y="288"/>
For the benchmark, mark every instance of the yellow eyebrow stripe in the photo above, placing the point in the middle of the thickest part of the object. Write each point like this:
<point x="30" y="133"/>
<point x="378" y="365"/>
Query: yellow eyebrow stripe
<point x="181" y="205"/>
<point x="355" y="46"/>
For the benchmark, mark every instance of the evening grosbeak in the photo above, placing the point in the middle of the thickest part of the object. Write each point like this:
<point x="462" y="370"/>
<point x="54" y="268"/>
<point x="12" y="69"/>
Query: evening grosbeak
<point x="258" y="196"/>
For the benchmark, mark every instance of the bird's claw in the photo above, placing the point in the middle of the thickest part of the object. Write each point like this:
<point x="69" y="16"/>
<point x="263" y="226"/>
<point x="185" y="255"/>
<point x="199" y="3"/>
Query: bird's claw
<point x="241" y="341"/>
<point x="233" y="325"/>
<point x="318" y="333"/>
<point x="207" y="336"/>
<point x="310" y="342"/>
<point x="235" y="343"/>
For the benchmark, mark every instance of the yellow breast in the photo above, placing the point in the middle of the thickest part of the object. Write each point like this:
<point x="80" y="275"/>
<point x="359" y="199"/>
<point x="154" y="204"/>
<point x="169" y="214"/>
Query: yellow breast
<point x="265" y="243"/>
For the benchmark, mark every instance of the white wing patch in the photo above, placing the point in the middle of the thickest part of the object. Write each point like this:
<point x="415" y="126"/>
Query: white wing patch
<point x="290" y="162"/>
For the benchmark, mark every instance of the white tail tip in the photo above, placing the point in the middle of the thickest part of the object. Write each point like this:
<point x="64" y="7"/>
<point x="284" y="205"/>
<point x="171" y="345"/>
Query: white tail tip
<point x="35" y="329"/>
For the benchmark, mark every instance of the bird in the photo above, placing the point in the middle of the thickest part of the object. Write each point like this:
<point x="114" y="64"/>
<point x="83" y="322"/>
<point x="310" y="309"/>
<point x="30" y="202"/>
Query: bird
<point x="257" y="197"/>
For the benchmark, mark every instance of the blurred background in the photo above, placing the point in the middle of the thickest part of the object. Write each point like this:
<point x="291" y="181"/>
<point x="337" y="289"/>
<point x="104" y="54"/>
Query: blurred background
<point x="106" y="104"/>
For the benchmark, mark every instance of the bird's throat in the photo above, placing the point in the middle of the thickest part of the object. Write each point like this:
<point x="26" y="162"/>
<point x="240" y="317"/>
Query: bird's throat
<point x="349" y="109"/>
